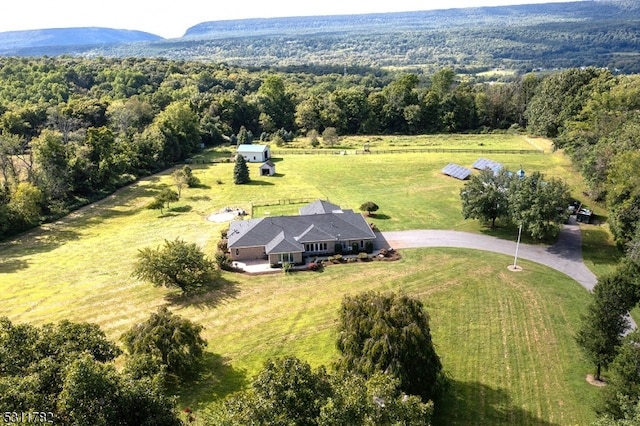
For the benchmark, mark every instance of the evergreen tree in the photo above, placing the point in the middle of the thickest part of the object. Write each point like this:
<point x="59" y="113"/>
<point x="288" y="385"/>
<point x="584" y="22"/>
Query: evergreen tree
<point x="240" y="171"/>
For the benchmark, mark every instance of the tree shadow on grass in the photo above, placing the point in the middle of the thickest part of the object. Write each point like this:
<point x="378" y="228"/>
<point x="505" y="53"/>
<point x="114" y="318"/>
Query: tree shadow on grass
<point x="200" y="186"/>
<point x="259" y="183"/>
<point x="221" y="291"/>
<point x="216" y="380"/>
<point x="182" y="209"/>
<point x="199" y="198"/>
<point x="465" y="403"/>
<point x="12" y="265"/>
<point x="380" y="216"/>
<point x="43" y="239"/>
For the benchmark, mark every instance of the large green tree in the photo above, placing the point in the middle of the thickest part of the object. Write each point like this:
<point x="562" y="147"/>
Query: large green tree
<point x="52" y="165"/>
<point x="179" y="129"/>
<point x="623" y="196"/>
<point x="540" y="205"/>
<point x="275" y="103"/>
<point x="95" y="393"/>
<point x="176" y="264"/>
<point x="558" y="99"/>
<point x="623" y="380"/>
<point x="287" y="391"/>
<point x="169" y="339"/>
<point x="34" y="361"/>
<point x="486" y="196"/>
<point x="602" y="327"/>
<point x="389" y="333"/>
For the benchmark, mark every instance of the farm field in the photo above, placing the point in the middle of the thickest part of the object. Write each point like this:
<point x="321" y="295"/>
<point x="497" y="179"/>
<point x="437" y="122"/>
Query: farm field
<point x="505" y="339"/>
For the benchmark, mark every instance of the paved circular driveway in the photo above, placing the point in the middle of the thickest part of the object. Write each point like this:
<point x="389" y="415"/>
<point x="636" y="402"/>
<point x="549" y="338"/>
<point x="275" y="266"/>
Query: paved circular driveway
<point x="565" y="255"/>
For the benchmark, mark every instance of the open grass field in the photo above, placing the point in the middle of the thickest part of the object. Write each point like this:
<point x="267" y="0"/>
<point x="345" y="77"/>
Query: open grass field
<point x="505" y="339"/>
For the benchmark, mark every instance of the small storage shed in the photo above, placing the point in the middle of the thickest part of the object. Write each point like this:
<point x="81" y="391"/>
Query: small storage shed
<point x="268" y="168"/>
<point x="254" y="153"/>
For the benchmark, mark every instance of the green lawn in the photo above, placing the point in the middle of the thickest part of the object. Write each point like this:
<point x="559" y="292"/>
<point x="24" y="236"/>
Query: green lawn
<point x="505" y="339"/>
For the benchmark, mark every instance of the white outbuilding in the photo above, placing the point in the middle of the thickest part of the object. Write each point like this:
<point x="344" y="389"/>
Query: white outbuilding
<point x="254" y="153"/>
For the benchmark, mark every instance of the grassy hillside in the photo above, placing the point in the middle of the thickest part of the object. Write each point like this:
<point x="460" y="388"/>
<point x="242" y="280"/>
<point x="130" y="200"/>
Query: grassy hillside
<point x="505" y="339"/>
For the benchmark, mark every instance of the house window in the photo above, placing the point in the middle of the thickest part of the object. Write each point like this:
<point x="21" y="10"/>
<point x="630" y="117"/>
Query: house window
<point x="237" y="252"/>
<point x="286" y="257"/>
<point x="361" y="244"/>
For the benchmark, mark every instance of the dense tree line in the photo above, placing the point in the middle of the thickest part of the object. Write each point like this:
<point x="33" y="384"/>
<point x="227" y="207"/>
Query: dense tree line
<point x="65" y="373"/>
<point x="73" y="130"/>
<point x="592" y="115"/>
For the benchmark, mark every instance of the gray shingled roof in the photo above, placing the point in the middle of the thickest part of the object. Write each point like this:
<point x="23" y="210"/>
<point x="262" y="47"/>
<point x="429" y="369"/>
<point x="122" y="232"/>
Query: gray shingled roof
<point x="282" y="234"/>
<point x="319" y="207"/>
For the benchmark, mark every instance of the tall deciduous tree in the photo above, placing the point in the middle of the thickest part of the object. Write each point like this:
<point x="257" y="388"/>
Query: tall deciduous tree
<point x="486" y="196"/>
<point x="180" y="180"/>
<point x="389" y="333"/>
<point x="288" y="392"/>
<point x="179" y="128"/>
<point x="330" y="136"/>
<point x="240" y="171"/>
<point x="170" y="339"/>
<point x="558" y="98"/>
<point x="623" y="196"/>
<point x="52" y="164"/>
<point x="176" y="264"/>
<point x="96" y="393"/>
<point x="276" y="103"/>
<point x="605" y="322"/>
<point x="25" y="204"/>
<point x="35" y="360"/>
<point x="623" y="386"/>
<point x="540" y="205"/>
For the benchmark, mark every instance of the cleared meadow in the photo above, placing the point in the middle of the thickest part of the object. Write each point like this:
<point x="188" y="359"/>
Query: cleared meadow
<point x="505" y="339"/>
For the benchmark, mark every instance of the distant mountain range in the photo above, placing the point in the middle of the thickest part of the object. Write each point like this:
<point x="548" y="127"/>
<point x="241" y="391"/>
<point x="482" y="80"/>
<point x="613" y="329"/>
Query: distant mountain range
<point x="57" y="40"/>
<point x="603" y="33"/>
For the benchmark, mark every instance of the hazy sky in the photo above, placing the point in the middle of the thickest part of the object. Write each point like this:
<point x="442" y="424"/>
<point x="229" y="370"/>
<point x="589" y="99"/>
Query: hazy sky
<point x="172" y="21"/>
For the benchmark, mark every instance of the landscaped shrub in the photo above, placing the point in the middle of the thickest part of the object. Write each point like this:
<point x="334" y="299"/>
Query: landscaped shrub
<point x="355" y="247"/>
<point x="363" y="256"/>
<point x="223" y="261"/>
<point x="314" y="266"/>
<point x="338" y="248"/>
<point x="368" y="247"/>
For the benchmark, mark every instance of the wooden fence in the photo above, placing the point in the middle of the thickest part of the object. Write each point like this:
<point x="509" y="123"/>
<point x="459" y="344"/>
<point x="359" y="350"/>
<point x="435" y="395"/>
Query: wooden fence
<point x="281" y="202"/>
<point x="403" y="151"/>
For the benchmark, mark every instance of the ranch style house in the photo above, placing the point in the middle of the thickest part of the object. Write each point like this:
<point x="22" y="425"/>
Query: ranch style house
<point x="321" y="228"/>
